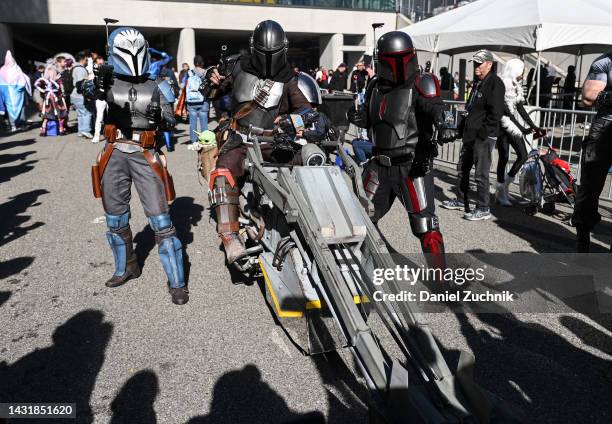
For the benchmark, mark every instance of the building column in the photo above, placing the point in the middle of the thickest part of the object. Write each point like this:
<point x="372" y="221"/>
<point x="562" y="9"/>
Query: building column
<point x="186" y="48"/>
<point x="331" y="53"/>
<point x="6" y="41"/>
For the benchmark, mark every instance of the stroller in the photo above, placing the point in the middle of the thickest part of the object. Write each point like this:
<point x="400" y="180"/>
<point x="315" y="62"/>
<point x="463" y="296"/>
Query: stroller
<point x="545" y="179"/>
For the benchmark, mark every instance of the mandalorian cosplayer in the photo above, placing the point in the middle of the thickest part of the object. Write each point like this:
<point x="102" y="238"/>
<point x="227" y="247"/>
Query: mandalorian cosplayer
<point x="402" y="107"/>
<point x="136" y="110"/>
<point x="262" y="87"/>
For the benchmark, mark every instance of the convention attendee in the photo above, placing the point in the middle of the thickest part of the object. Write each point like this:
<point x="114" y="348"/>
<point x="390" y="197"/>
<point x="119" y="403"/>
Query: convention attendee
<point x="404" y="149"/>
<point x="130" y="156"/>
<point x="569" y="88"/>
<point x="359" y="78"/>
<point x="197" y="105"/>
<point x="79" y="76"/>
<point x="596" y="150"/>
<point x="516" y="124"/>
<point x="339" y="79"/>
<point x="54" y="109"/>
<point x="14" y="85"/>
<point x="479" y="130"/>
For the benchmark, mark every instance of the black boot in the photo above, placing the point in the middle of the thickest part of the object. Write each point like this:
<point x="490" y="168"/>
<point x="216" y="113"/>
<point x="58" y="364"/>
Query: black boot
<point x="583" y="239"/>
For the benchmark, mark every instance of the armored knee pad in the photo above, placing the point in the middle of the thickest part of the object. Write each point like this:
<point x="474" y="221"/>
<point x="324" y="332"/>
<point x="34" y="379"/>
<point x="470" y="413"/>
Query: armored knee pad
<point x="119" y="237"/>
<point x="170" y="249"/>
<point x="421" y="223"/>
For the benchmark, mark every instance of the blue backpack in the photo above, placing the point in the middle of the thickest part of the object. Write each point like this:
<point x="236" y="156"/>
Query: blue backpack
<point x="193" y="94"/>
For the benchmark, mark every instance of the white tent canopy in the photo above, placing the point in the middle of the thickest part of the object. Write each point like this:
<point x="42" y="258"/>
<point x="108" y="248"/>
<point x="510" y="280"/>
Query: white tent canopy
<point x="518" y="26"/>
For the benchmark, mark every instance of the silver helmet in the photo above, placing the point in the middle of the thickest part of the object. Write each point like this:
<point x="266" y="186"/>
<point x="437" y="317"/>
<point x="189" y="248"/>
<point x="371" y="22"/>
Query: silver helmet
<point x="128" y="52"/>
<point x="309" y="88"/>
<point x="268" y="46"/>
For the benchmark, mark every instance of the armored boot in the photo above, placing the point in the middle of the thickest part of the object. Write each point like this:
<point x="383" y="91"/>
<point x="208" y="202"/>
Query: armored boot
<point x="223" y="196"/>
<point x="432" y="244"/>
<point x="171" y="255"/>
<point x="119" y="238"/>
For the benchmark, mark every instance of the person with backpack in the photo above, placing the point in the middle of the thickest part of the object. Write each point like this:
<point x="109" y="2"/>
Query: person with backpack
<point x="197" y="105"/>
<point x="79" y="76"/>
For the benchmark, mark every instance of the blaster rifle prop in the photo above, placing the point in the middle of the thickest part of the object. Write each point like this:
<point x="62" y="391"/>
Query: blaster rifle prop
<point x="207" y="90"/>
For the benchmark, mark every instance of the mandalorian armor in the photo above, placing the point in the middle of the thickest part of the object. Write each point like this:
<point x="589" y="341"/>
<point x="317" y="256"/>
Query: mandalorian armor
<point x="393" y="121"/>
<point x="136" y="109"/>
<point x="265" y="94"/>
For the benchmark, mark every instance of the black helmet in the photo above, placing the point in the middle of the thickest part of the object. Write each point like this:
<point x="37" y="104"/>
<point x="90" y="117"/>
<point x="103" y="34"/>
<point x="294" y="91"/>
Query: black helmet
<point x="269" y="48"/>
<point x="396" y="59"/>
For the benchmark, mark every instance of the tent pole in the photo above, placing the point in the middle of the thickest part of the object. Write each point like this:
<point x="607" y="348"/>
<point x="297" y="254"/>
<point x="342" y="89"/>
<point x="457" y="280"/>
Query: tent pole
<point x="538" y="79"/>
<point x="580" y="70"/>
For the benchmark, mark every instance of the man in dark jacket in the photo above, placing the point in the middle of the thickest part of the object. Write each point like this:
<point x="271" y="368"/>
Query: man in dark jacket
<point x="479" y="129"/>
<point x="339" y="79"/>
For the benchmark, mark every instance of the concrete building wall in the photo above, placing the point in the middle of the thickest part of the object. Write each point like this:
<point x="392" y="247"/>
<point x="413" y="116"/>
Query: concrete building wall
<point x="332" y="23"/>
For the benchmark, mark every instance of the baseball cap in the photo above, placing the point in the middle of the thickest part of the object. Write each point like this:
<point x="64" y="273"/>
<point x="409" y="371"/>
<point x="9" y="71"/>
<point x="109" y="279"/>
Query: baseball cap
<point x="482" y="56"/>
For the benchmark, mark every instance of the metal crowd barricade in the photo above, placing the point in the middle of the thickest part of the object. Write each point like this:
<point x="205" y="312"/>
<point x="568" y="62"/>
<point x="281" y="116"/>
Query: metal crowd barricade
<point x="566" y="129"/>
<point x="449" y="153"/>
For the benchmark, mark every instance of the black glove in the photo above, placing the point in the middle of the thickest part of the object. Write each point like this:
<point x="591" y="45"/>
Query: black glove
<point x="526" y="131"/>
<point x="447" y="135"/>
<point x="357" y="117"/>
<point x="420" y="167"/>
<point x="604" y="99"/>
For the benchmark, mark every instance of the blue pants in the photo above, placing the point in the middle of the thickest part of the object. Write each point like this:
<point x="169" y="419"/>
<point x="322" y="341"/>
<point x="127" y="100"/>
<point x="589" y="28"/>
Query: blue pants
<point x="83" y="114"/>
<point x="362" y="149"/>
<point x="197" y="113"/>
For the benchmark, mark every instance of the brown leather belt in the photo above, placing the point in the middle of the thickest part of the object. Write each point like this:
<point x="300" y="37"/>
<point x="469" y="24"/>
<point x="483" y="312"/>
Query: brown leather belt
<point x="147" y="139"/>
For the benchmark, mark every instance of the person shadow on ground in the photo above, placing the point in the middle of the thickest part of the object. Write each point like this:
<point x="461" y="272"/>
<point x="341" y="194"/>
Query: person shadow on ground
<point x="134" y="403"/>
<point x="241" y="396"/>
<point x="185" y="214"/>
<point x="63" y="372"/>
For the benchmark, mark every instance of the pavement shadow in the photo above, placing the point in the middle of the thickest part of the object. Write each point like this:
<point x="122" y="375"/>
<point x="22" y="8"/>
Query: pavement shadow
<point x="186" y="213"/>
<point x="8" y="158"/>
<point x="12" y="218"/>
<point x="347" y="401"/>
<point x="5" y="145"/>
<point x="241" y="396"/>
<point x="63" y="372"/>
<point x="14" y="266"/>
<point x="4" y="296"/>
<point x="9" y="172"/>
<point x="144" y="242"/>
<point x="533" y="367"/>
<point x="134" y="402"/>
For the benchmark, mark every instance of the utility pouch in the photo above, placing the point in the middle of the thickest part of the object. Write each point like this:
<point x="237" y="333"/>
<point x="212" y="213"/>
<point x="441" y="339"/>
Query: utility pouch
<point x="160" y="169"/>
<point x="96" y="181"/>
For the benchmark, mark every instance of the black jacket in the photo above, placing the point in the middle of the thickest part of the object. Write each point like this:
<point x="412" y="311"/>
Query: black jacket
<point x="338" y="81"/>
<point x="485" y="108"/>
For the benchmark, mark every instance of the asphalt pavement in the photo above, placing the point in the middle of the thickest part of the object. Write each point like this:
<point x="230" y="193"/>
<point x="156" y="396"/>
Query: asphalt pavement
<point x="128" y="355"/>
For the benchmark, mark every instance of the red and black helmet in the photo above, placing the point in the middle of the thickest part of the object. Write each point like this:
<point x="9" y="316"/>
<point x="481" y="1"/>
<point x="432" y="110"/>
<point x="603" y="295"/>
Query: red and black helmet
<point x="396" y="59"/>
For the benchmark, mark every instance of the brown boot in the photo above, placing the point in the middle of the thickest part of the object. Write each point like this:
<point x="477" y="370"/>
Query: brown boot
<point x="121" y="244"/>
<point x="132" y="270"/>
<point x="233" y="246"/>
<point x="224" y="201"/>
